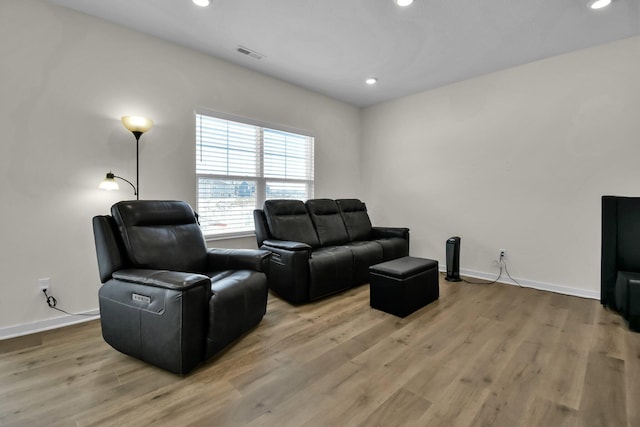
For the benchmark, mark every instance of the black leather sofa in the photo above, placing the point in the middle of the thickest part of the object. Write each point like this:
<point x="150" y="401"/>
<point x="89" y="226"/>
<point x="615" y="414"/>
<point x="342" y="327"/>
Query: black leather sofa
<point x="323" y="246"/>
<point x="167" y="299"/>
<point x="620" y="257"/>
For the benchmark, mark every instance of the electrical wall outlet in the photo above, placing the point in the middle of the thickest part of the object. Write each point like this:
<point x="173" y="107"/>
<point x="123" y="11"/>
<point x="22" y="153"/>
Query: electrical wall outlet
<point x="44" y="284"/>
<point x="502" y="253"/>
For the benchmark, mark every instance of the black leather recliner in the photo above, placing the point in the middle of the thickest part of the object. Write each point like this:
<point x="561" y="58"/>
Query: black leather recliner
<point x="620" y="257"/>
<point x="323" y="246"/>
<point x="167" y="299"/>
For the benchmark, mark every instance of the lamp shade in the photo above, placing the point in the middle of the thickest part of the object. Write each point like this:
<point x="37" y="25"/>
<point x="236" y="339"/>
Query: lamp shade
<point x="137" y="123"/>
<point x="109" y="183"/>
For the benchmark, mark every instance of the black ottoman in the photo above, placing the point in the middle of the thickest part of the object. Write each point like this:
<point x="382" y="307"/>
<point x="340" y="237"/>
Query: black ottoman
<point x="403" y="285"/>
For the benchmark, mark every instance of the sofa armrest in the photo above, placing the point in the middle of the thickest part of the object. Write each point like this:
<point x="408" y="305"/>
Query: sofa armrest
<point x="289" y="269"/>
<point x="173" y="280"/>
<point x="382" y="232"/>
<point x="287" y="245"/>
<point x="238" y="259"/>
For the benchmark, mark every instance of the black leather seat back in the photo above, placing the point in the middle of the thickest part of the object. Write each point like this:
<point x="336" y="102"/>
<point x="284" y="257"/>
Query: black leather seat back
<point x="356" y="219"/>
<point x="261" y="226"/>
<point x="327" y="220"/>
<point x="289" y="220"/>
<point x="161" y="235"/>
<point x="620" y="257"/>
<point x="108" y="246"/>
<point x="628" y="234"/>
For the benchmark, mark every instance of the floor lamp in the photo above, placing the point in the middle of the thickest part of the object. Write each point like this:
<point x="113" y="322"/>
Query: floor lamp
<point x="137" y="125"/>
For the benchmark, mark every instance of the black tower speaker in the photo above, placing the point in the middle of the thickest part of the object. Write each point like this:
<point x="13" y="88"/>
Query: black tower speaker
<point x="453" y="259"/>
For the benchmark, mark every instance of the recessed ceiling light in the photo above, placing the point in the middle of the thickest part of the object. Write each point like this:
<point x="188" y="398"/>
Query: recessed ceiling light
<point x="599" y="4"/>
<point x="403" y="3"/>
<point x="201" y="3"/>
<point x="371" y="81"/>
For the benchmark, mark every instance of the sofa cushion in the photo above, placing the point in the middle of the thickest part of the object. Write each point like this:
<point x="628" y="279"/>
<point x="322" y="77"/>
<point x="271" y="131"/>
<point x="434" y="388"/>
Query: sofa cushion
<point x="155" y="234"/>
<point x="356" y="219"/>
<point x="393" y="247"/>
<point x="365" y="254"/>
<point x="330" y="271"/>
<point x="327" y="220"/>
<point x="289" y="220"/>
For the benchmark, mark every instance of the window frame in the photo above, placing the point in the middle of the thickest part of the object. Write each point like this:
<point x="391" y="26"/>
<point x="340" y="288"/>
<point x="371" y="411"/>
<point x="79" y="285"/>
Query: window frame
<point x="260" y="180"/>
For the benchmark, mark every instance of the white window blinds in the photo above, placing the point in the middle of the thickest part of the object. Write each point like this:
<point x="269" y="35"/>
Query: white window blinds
<point x="239" y="164"/>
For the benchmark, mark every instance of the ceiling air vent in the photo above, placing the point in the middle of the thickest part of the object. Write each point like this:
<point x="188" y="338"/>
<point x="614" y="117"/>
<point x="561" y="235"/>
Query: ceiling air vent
<point x="252" y="53"/>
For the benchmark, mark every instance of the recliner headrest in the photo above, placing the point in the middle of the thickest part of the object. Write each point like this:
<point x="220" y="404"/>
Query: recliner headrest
<point x="322" y="206"/>
<point x="152" y="212"/>
<point x="356" y="219"/>
<point x="328" y="221"/>
<point x="161" y="235"/>
<point x="289" y="220"/>
<point x="284" y="207"/>
<point x="351" y="205"/>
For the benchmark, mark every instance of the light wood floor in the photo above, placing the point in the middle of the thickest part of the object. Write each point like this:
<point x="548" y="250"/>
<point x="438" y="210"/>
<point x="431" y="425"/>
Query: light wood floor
<point x="483" y="355"/>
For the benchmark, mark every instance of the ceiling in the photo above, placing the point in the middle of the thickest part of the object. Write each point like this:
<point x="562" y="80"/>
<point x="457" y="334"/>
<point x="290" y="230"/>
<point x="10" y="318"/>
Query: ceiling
<point x="332" y="46"/>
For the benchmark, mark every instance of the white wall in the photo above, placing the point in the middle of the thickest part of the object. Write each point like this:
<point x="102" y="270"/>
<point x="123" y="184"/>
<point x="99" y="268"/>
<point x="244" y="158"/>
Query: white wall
<point x="517" y="159"/>
<point x="65" y="81"/>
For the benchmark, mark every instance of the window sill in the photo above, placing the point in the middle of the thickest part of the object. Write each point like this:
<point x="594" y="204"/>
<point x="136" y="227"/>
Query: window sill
<point x="229" y="237"/>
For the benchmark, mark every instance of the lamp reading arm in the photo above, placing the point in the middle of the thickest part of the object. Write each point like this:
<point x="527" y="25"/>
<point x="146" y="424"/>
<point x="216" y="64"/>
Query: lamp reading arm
<point x="135" y="191"/>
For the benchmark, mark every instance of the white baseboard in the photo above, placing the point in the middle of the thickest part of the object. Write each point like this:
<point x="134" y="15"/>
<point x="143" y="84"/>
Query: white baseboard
<point x="559" y="289"/>
<point x="45" y="325"/>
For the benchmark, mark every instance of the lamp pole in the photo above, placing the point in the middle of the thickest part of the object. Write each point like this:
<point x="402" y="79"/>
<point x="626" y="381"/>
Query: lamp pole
<point x="137" y="134"/>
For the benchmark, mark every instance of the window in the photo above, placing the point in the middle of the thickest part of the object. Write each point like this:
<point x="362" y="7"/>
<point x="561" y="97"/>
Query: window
<point x="240" y="164"/>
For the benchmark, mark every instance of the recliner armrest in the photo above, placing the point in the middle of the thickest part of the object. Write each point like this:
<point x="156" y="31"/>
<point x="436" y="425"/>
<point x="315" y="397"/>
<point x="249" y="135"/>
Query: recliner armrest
<point x="381" y="232"/>
<point x="158" y="316"/>
<point x="238" y="259"/>
<point x="287" y="245"/>
<point x="166" y="279"/>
